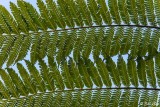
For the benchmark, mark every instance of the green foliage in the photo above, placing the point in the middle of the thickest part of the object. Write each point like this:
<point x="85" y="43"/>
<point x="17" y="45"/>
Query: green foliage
<point x="88" y="52"/>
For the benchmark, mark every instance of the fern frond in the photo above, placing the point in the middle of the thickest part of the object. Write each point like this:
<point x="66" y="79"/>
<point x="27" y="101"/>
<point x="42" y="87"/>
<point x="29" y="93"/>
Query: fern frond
<point x="35" y="76"/>
<point x="93" y="72"/>
<point x="133" y="72"/>
<point x="141" y="12"/>
<point x="46" y="15"/>
<point x="9" y="83"/>
<point x="123" y="71"/>
<point x="113" y="6"/>
<point x="126" y="41"/>
<point x="132" y="10"/>
<point x="150" y="11"/>
<point x="111" y="66"/>
<point x="28" y="82"/>
<point x="150" y="72"/>
<point x="123" y="11"/>
<point x="9" y="20"/>
<point x="48" y="79"/>
<point x="74" y="71"/>
<point x="141" y="70"/>
<point x="15" y="50"/>
<point x="18" y="82"/>
<point x="55" y="73"/>
<point x="103" y="72"/>
<point x="104" y="11"/>
<point x="95" y="12"/>
<point x="84" y="73"/>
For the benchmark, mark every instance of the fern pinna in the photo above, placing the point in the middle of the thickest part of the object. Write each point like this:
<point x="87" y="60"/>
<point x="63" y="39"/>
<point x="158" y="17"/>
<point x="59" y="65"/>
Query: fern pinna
<point x="80" y="53"/>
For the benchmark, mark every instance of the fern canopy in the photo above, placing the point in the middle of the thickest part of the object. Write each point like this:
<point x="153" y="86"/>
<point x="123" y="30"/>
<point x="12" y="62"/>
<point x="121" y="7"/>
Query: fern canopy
<point x="80" y="53"/>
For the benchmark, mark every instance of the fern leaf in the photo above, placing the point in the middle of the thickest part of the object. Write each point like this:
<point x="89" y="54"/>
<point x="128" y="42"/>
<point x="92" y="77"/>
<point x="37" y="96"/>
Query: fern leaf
<point x="4" y="91"/>
<point x="55" y="73"/>
<point x="53" y="39"/>
<point x="35" y="76"/>
<point x="68" y="80"/>
<point x="115" y="46"/>
<point x="38" y="100"/>
<point x="9" y="83"/>
<point x="126" y="41"/>
<point x="46" y="15"/>
<point x="116" y="94"/>
<point x="157" y="68"/>
<point x="144" y="97"/>
<point x="81" y="35"/>
<point x="144" y="43"/>
<point x="95" y="12"/>
<point x="73" y="69"/>
<point x="35" y="16"/>
<point x="77" y="95"/>
<point x="132" y="9"/>
<point x="30" y="101"/>
<point x="123" y="11"/>
<point x="58" y="99"/>
<point x="2" y="40"/>
<point x="87" y="48"/>
<point x="18" y="82"/>
<point x="9" y="20"/>
<point x="7" y="45"/>
<point x="113" y="6"/>
<point x="96" y="95"/>
<point x="153" y="96"/>
<point x="135" y="43"/>
<point x="72" y="6"/>
<point x="67" y="99"/>
<point x="63" y="7"/>
<point x="62" y="39"/>
<point x="15" y="50"/>
<point x="97" y="48"/>
<point x="69" y="44"/>
<point x="141" y="12"/>
<point x="157" y="11"/>
<point x="55" y="13"/>
<point x="24" y="48"/>
<point x="109" y="33"/>
<point x="93" y="72"/>
<point x="18" y="17"/>
<point x="124" y="100"/>
<point x="104" y="73"/>
<point x="4" y="25"/>
<point x="85" y="74"/>
<point x="47" y="100"/>
<point x="87" y="98"/>
<point x="20" y="102"/>
<point x="23" y="10"/>
<point x="43" y="45"/>
<point x="141" y="70"/>
<point x="112" y="68"/>
<point x="153" y="43"/>
<point x="150" y="72"/>
<point x="106" y="97"/>
<point x="150" y="11"/>
<point x="103" y="8"/>
<point x="28" y="82"/>
<point x="34" y="48"/>
<point x="132" y="72"/>
<point x="49" y="81"/>
<point x="123" y="71"/>
<point x="134" y="99"/>
<point x="82" y="7"/>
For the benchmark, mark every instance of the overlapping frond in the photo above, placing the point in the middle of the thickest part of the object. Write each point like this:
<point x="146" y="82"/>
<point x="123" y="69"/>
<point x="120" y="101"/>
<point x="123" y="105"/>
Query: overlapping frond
<point x="75" y="43"/>
<point x="96" y="98"/>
